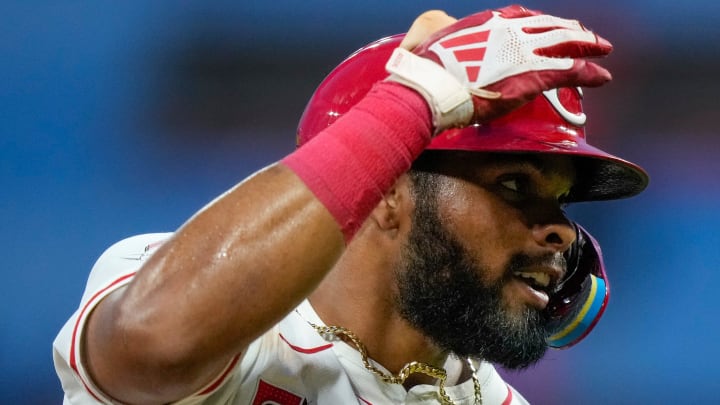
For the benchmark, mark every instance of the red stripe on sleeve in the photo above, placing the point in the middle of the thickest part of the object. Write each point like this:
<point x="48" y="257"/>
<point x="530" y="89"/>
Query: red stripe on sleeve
<point x="74" y="340"/>
<point x="212" y="387"/>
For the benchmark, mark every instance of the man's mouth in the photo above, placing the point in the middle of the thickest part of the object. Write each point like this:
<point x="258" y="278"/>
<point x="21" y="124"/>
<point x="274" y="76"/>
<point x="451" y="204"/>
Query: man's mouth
<point x="537" y="280"/>
<point x="539" y="277"/>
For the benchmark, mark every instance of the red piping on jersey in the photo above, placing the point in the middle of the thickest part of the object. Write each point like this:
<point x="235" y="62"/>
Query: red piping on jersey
<point x="73" y="360"/>
<point x="220" y="379"/>
<point x="303" y="350"/>
<point x="363" y="399"/>
<point x="154" y="245"/>
<point x="509" y="398"/>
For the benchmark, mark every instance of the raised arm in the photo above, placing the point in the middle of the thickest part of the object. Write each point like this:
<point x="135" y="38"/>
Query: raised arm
<point x="227" y="275"/>
<point x="243" y="262"/>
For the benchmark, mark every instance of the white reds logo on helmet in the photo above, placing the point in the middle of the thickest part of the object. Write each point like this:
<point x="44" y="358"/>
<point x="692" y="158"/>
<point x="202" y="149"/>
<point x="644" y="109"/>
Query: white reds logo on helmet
<point x="578" y="119"/>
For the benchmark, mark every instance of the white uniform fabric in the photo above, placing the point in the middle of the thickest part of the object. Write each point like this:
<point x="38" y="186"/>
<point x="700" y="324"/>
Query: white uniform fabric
<point x="291" y="364"/>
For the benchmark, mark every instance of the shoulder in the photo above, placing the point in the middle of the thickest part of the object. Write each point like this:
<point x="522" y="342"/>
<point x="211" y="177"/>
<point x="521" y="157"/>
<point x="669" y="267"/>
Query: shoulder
<point x="122" y="260"/>
<point x="131" y="251"/>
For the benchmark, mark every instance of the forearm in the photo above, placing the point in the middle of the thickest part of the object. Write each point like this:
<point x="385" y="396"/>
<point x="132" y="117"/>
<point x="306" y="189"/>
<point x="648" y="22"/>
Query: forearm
<point x="248" y="258"/>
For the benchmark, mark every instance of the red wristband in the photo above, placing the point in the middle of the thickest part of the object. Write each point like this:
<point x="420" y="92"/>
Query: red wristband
<point x="352" y="163"/>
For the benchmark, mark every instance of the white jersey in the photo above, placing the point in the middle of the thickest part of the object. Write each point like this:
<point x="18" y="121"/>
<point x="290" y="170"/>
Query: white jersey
<point x="291" y="364"/>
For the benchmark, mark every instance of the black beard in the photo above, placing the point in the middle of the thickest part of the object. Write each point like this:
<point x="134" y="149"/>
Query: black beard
<point x="441" y="292"/>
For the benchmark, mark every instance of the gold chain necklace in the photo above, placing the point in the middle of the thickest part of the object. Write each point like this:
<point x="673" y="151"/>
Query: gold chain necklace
<point x="410" y="368"/>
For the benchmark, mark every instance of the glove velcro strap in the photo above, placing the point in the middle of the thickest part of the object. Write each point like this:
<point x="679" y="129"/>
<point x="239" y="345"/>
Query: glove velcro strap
<point x="449" y="101"/>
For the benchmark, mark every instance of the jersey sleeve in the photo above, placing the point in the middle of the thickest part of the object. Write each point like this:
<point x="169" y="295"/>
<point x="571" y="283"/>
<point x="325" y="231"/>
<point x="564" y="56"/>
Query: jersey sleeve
<point x="115" y="268"/>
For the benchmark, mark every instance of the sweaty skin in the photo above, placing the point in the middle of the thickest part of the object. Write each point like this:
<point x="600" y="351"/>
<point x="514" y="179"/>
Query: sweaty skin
<point x="243" y="262"/>
<point x="226" y="276"/>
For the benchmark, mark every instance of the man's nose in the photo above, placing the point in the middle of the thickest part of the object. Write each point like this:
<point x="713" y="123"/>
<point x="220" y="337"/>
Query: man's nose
<point x="557" y="235"/>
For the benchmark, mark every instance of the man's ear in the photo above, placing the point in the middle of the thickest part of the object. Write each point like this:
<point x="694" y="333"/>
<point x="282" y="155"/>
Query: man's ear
<point x="394" y="207"/>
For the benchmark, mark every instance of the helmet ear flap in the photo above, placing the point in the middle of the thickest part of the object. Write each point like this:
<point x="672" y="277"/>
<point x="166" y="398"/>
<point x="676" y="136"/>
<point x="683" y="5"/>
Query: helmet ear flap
<point x="582" y="295"/>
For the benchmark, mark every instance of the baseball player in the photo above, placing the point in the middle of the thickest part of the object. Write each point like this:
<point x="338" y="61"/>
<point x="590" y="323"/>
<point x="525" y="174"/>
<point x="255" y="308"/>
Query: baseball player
<point x="415" y="237"/>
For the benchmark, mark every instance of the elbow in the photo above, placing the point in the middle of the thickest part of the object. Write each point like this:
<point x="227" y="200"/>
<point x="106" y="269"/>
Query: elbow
<point x="135" y="357"/>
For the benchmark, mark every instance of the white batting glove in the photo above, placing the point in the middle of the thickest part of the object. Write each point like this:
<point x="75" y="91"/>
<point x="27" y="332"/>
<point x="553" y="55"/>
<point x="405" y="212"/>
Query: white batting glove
<point x="489" y="63"/>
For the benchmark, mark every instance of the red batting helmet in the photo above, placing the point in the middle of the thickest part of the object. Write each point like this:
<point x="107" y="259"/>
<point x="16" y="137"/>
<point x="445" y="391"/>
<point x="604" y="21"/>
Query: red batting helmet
<point x="552" y="123"/>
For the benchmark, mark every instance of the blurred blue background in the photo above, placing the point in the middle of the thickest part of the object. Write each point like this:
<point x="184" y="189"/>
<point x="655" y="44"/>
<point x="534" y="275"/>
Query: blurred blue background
<point x="119" y="118"/>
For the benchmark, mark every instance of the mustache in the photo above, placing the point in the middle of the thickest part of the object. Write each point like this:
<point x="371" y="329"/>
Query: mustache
<point x="519" y="261"/>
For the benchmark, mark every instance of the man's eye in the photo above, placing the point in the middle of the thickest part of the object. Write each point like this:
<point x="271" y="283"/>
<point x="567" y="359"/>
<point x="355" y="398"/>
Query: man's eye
<point x="511" y="184"/>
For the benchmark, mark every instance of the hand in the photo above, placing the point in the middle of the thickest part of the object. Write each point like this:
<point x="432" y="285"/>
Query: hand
<point x="425" y="25"/>
<point x="506" y="57"/>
